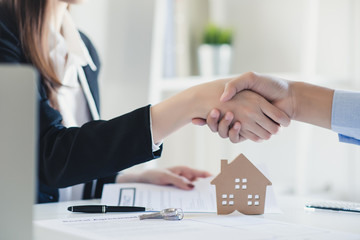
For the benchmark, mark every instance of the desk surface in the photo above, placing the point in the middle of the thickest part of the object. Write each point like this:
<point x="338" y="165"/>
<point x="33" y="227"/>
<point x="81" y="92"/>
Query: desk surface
<point x="292" y="207"/>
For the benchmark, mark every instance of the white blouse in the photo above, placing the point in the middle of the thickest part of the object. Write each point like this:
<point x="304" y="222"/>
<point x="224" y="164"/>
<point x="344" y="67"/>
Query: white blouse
<point x="69" y="55"/>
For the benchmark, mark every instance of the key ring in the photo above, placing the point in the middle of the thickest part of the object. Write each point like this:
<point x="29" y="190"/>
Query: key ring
<point x="166" y="214"/>
<point x="172" y="213"/>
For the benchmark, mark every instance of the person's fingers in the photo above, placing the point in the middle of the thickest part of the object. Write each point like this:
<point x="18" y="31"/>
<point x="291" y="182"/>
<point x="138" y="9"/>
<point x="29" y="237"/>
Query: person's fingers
<point x="198" y="121"/>
<point x="224" y="124"/>
<point x="249" y="135"/>
<point x="268" y="124"/>
<point x="241" y="139"/>
<point x="265" y="126"/>
<point x="189" y="173"/>
<point x="234" y="133"/>
<point x="258" y="130"/>
<point x="236" y="85"/>
<point x="205" y="174"/>
<point x="192" y="174"/>
<point x="213" y="120"/>
<point x="275" y="114"/>
<point x="229" y="91"/>
<point x="179" y="181"/>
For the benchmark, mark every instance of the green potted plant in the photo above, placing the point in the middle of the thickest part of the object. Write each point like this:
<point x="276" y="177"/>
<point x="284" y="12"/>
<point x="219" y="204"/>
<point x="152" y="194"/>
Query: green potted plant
<point x="215" y="51"/>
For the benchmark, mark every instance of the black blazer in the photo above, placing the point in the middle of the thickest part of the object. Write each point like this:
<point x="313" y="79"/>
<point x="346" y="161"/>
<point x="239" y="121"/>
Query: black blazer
<point x="98" y="149"/>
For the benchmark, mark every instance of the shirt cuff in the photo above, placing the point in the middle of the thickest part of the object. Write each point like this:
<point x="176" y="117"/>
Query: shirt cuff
<point x="345" y="116"/>
<point x="346" y="139"/>
<point x="155" y="147"/>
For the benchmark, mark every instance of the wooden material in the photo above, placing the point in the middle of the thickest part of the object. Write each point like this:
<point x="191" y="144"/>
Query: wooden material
<point x="240" y="186"/>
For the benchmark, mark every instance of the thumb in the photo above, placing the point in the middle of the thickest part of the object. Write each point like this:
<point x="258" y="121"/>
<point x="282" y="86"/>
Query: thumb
<point x="198" y="121"/>
<point x="229" y="92"/>
<point x="236" y="85"/>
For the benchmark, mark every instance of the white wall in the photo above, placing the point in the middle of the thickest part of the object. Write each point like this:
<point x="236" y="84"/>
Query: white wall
<point x="268" y="34"/>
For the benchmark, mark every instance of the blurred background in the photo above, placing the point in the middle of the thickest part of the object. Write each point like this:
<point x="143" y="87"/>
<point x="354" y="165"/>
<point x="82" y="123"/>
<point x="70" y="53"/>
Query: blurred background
<point x="151" y="49"/>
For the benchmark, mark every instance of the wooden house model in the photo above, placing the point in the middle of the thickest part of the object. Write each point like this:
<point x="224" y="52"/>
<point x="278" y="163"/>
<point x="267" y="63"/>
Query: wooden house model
<point x="240" y="186"/>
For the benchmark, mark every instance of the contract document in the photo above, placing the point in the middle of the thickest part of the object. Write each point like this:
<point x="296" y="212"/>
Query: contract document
<point x="194" y="226"/>
<point x="201" y="199"/>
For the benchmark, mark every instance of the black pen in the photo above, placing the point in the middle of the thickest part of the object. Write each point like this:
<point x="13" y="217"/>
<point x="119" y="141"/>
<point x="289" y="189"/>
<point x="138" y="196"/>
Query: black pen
<point x="104" y="209"/>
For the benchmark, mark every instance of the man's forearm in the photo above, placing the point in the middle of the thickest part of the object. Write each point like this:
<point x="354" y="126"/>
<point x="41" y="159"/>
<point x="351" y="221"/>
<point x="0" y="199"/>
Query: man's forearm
<point x="313" y="104"/>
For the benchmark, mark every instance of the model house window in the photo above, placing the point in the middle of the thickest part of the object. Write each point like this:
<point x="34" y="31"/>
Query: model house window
<point x="250" y="197"/>
<point x="224" y="202"/>
<point x="243" y="181"/>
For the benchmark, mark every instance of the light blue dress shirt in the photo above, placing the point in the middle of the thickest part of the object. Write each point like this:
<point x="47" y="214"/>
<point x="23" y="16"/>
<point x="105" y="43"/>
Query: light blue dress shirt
<point x="345" y="117"/>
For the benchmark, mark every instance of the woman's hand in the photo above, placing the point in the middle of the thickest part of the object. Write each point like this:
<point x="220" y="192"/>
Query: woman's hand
<point x="247" y="116"/>
<point x="223" y="126"/>
<point x="179" y="176"/>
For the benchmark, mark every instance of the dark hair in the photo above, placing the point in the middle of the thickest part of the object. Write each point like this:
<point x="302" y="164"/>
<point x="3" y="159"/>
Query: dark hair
<point x="32" y="17"/>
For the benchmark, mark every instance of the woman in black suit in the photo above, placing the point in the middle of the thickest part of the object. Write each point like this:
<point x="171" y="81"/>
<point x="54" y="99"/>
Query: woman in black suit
<point x="75" y="146"/>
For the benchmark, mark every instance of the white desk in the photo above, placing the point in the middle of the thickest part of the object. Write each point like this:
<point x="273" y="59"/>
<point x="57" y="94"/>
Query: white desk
<point x="292" y="207"/>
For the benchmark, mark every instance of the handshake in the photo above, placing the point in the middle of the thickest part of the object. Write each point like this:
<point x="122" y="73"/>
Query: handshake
<point x="254" y="106"/>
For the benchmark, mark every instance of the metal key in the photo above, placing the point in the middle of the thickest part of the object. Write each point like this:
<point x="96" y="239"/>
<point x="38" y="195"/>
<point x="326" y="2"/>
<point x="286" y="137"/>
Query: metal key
<point x="166" y="214"/>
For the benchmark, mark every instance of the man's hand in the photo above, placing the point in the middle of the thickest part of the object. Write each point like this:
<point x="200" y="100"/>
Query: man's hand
<point x="276" y="90"/>
<point x="301" y="101"/>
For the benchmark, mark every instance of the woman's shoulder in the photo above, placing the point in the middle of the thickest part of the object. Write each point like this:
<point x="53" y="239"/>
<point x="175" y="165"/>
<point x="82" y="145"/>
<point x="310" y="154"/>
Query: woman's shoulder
<point x="8" y="26"/>
<point x="10" y="46"/>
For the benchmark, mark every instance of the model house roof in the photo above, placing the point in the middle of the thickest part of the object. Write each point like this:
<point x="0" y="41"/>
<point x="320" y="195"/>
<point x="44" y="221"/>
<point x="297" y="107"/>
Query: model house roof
<point x="240" y="166"/>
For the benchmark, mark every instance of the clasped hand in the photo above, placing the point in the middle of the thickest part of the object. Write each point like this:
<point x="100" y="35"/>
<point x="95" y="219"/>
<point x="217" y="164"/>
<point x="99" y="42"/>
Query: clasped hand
<point x="256" y="113"/>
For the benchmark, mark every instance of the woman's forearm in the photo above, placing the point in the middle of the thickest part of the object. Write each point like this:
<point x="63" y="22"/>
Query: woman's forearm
<point x="170" y="115"/>
<point x="174" y="113"/>
<point x="177" y="111"/>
